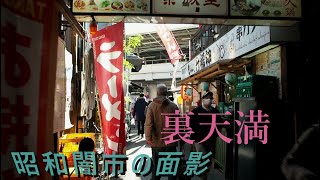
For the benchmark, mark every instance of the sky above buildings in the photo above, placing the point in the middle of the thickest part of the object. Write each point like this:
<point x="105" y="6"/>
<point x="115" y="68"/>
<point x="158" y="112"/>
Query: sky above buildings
<point x="141" y="28"/>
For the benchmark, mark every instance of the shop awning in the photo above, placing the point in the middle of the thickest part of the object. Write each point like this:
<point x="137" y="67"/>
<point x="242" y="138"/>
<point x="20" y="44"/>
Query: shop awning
<point x="136" y="61"/>
<point x="236" y="52"/>
<point x="133" y="87"/>
<point x="217" y="69"/>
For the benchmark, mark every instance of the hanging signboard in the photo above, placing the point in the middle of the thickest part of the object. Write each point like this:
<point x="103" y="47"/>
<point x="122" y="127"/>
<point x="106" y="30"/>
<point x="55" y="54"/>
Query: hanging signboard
<point x="188" y="69"/>
<point x="28" y="70"/>
<point x="266" y="8"/>
<point x="111" y="6"/>
<point x="237" y="42"/>
<point x="108" y="56"/>
<point x="194" y="7"/>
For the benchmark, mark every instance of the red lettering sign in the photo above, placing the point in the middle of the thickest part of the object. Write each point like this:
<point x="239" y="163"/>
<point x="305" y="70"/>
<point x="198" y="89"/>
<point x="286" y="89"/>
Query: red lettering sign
<point x="169" y="42"/>
<point x="108" y="55"/>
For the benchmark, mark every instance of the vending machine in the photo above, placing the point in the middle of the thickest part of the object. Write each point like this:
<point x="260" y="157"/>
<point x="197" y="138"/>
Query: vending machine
<point x="253" y="158"/>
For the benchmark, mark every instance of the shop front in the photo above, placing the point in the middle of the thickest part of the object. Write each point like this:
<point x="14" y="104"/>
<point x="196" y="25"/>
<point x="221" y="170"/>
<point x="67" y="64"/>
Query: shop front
<point x="239" y="54"/>
<point x="245" y="69"/>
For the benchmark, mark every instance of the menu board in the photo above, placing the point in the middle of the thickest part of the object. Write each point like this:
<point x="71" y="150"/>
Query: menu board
<point x="266" y="8"/>
<point x="111" y="6"/>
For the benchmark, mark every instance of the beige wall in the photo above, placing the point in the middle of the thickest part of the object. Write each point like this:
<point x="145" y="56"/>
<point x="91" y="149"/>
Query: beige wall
<point x="152" y="91"/>
<point x="269" y="64"/>
<point x="196" y="97"/>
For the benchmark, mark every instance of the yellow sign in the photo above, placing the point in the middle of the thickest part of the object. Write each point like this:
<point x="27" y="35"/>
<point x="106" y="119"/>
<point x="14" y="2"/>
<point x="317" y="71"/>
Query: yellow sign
<point x="70" y="143"/>
<point x="180" y="100"/>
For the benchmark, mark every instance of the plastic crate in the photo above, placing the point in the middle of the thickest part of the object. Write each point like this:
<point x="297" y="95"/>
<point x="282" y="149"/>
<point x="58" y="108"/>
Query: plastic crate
<point x="69" y="143"/>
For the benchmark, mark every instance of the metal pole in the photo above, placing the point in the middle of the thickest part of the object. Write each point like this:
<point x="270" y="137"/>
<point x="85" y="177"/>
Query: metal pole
<point x="62" y="7"/>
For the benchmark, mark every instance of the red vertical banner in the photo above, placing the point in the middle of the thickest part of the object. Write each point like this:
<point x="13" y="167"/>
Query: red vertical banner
<point x="108" y="55"/>
<point x="169" y="42"/>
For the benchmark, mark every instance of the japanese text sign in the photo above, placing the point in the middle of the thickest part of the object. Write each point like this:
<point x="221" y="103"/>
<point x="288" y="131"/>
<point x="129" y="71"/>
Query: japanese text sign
<point x="180" y="127"/>
<point x="190" y="7"/>
<point x="85" y="163"/>
<point x="108" y="55"/>
<point x="28" y="66"/>
<point x="237" y="42"/>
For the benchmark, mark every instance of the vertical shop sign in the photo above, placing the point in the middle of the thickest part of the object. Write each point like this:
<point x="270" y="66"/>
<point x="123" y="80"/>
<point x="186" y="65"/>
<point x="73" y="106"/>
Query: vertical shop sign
<point x="169" y="42"/>
<point x="28" y="64"/>
<point x="108" y="56"/>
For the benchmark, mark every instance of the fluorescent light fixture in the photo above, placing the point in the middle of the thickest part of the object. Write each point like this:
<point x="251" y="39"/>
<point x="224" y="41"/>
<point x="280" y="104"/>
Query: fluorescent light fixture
<point x="149" y="42"/>
<point x="271" y="46"/>
<point x="215" y="32"/>
<point x="148" y="57"/>
<point x="153" y="20"/>
<point x="184" y="39"/>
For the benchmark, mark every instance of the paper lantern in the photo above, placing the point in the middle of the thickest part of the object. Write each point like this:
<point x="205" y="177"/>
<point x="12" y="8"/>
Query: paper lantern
<point x="205" y="86"/>
<point x="182" y="91"/>
<point x="93" y="27"/>
<point x="185" y="92"/>
<point x="189" y="91"/>
<point x="186" y="97"/>
<point x="231" y="79"/>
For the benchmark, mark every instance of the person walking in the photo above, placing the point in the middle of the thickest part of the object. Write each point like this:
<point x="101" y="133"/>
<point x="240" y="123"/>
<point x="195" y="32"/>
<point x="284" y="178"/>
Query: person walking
<point x="171" y="98"/>
<point x="155" y="124"/>
<point x="139" y="113"/>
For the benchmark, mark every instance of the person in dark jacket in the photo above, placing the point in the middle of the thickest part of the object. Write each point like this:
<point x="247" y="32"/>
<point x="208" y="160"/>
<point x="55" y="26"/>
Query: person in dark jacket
<point x="201" y="131"/>
<point x="139" y="113"/>
<point x="86" y="144"/>
<point x="171" y="98"/>
<point x="145" y="111"/>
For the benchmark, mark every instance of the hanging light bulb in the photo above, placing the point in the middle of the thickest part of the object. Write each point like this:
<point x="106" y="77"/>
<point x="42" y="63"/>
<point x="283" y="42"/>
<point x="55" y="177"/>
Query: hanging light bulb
<point x="215" y="32"/>
<point x="93" y="27"/>
<point x="216" y="35"/>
